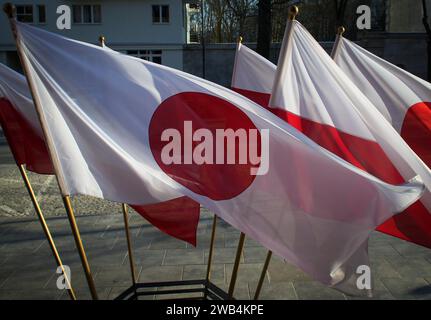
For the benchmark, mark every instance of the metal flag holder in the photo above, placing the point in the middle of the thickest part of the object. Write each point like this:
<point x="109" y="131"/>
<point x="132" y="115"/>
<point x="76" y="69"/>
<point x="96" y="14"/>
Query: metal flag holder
<point x="208" y="290"/>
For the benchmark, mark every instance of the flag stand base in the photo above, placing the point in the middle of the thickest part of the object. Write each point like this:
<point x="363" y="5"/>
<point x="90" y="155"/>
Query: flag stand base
<point x="209" y="290"/>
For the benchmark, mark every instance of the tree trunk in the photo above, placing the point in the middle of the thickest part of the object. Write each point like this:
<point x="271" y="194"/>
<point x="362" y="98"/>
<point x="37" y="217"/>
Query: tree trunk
<point x="264" y="28"/>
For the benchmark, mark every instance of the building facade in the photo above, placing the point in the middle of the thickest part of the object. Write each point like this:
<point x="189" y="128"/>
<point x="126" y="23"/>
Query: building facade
<point x="154" y="30"/>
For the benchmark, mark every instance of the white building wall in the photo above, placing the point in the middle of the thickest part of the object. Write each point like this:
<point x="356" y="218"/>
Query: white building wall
<point x="126" y="24"/>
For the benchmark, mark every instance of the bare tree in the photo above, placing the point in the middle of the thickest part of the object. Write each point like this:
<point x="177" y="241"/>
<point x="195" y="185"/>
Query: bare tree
<point x="264" y="28"/>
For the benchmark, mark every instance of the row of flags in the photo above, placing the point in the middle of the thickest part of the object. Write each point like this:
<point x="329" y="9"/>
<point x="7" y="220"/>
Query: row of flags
<point x="335" y="167"/>
<point x="340" y="114"/>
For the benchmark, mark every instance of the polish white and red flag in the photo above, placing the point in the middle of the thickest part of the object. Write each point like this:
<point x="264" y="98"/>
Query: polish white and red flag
<point x="177" y="217"/>
<point x="132" y="131"/>
<point x="332" y="113"/>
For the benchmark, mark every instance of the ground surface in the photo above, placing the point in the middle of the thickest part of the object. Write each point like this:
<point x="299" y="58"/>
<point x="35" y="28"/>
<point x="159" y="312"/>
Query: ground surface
<point x="27" y="269"/>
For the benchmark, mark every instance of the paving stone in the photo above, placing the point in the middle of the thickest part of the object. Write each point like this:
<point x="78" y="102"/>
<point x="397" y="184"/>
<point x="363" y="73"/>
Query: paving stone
<point x="163" y="242"/>
<point x="161" y="273"/>
<point x="27" y="279"/>
<point x="30" y="294"/>
<point x="231" y="239"/>
<point x="381" y="267"/>
<point x="275" y="291"/>
<point x="412" y="288"/>
<point x="146" y="258"/>
<point x="203" y="241"/>
<point x="413" y="267"/>
<point x="255" y="254"/>
<point x="279" y="271"/>
<point x="116" y="277"/>
<point x="184" y="256"/>
<point x="311" y="290"/>
<point x="247" y="272"/>
<point x="407" y="249"/>
<point x="223" y="255"/>
<point x="83" y="293"/>
<point x="195" y="272"/>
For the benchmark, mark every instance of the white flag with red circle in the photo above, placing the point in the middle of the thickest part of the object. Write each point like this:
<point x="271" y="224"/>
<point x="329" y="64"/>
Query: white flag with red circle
<point x="177" y="217"/>
<point x="133" y="131"/>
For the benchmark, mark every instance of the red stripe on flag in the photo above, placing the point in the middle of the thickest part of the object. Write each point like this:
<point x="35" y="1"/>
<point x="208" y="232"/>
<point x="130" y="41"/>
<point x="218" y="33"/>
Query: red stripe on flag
<point x="258" y="97"/>
<point x="414" y="224"/>
<point x="25" y="143"/>
<point x="416" y="130"/>
<point x="178" y="217"/>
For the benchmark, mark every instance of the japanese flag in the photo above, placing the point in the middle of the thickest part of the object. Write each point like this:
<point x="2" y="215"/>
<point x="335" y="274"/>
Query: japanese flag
<point x="131" y="131"/>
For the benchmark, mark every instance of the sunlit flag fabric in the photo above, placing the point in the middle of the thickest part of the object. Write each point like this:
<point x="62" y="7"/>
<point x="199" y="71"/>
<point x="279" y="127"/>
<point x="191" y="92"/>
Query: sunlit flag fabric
<point x="314" y="95"/>
<point x="253" y="77"/>
<point x="20" y="124"/>
<point x="405" y="101"/>
<point x="132" y="131"/>
<point x="178" y="217"/>
<point x="402" y="98"/>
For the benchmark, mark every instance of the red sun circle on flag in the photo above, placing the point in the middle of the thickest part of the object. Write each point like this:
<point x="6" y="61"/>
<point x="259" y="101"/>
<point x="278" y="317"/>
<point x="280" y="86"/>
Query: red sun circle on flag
<point x="185" y="136"/>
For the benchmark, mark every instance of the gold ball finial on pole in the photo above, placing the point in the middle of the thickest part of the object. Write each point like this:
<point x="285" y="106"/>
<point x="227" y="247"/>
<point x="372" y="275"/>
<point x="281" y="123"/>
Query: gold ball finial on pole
<point x="9" y="9"/>
<point x="102" y="40"/>
<point x="341" y="30"/>
<point x="240" y="39"/>
<point x="293" y="12"/>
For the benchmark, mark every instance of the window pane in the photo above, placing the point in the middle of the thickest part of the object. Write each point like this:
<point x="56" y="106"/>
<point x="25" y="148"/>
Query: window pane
<point x="24" y="13"/>
<point x="97" y="14"/>
<point x="157" y="60"/>
<point x="87" y="14"/>
<point x="77" y="14"/>
<point x="156" y="14"/>
<point x="42" y="14"/>
<point x="165" y="14"/>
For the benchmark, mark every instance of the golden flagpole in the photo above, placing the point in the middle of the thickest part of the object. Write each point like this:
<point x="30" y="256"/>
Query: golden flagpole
<point x="262" y="275"/>
<point x="125" y="215"/>
<point x="293" y="12"/>
<point x="10" y="11"/>
<point x="236" y="264"/>
<point x="337" y="42"/>
<point x="45" y="228"/>
<point x="129" y="243"/>
<point x="211" y="251"/>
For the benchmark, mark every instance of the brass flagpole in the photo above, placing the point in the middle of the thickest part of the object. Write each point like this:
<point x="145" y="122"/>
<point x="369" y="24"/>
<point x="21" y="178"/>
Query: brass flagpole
<point x="45" y="228"/>
<point x="236" y="264"/>
<point x="125" y="215"/>
<point x="10" y="11"/>
<point x="293" y="12"/>
<point x="262" y="275"/>
<point x="337" y="42"/>
<point x="211" y="251"/>
<point x="129" y="243"/>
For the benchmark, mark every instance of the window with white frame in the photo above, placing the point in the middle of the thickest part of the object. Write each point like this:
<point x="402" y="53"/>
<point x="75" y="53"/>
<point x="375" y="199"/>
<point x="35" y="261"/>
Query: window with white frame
<point x="149" y="55"/>
<point x="87" y="14"/>
<point x="160" y="13"/>
<point x="24" y="13"/>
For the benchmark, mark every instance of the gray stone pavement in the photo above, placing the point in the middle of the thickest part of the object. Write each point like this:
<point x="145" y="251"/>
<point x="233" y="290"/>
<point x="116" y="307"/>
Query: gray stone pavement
<point x="27" y="270"/>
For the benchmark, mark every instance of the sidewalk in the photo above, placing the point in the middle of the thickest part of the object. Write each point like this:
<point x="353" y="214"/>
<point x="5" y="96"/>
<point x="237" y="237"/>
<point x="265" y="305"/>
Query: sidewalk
<point x="27" y="270"/>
